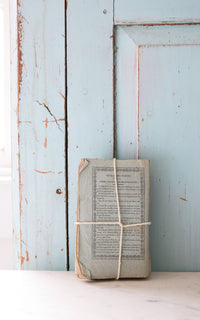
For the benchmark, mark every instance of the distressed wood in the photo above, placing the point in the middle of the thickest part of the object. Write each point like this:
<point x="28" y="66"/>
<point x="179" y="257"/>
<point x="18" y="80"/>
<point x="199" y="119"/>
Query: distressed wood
<point x="166" y="81"/>
<point x="15" y="136"/>
<point x="38" y="108"/>
<point x="90" y="91"/>
<point x="156" y="11"/>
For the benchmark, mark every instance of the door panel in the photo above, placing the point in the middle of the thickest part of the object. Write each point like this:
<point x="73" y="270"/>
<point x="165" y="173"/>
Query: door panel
<point x="163" y="74"/>
<point x="156" y="11"/>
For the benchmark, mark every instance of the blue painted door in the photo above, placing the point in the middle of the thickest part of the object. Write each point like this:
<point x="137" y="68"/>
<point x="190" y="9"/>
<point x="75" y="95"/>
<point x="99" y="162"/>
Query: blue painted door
<point x="157" y="105"/>
<point x="132" y="92"/>
<point x="137" y="96"/>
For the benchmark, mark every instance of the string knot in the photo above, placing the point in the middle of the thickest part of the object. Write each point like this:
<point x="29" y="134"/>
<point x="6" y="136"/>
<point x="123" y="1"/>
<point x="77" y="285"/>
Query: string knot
<point x="121" y="224"/>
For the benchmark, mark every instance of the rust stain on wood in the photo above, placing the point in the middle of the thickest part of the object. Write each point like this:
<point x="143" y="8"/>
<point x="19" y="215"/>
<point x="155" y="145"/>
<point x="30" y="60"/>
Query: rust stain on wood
<point x="111" y="37"/>
<point x="60" y="172"/>
<point x="44" y="172"/>
<point x="62" y="95"/>
<point x="21" y="260"/>
<point x="19" y="50"/>
<point x="19" y="81"/>
<point x="27" y="255"/>
<point x="63" y="35"/>
<point x="25" y="121"/>
<point x="46" y="122"/>
<point x="36" y="65"/>
<point x="25" y="19"/>
<point x="62" y="249"/>
<point x="45" y="142"/>
<point x="35" y="257"/>
<point x="48" y="253"/>
<point x="183" y="199"/>
<point x="26" y="200"/>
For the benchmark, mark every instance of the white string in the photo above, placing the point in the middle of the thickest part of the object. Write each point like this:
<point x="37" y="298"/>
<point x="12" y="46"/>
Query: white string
<point x="119" y="216"/>
<point x="116" y="222"/>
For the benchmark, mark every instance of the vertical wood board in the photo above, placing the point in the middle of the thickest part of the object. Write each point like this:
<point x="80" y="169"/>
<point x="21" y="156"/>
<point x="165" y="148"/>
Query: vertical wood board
<point x="15" y="136"/>
<point x="39" y="103"/>
<point x="90" y="91"/>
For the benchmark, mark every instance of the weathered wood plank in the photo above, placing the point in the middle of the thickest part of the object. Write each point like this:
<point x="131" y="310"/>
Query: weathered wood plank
<point x="90" y="90"/>
<point x="15" y="135"/>
<point x="39" y="104"/>
<point x="156" y="11"/>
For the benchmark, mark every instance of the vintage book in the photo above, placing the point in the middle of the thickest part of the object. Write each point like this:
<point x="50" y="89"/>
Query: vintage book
<point x="112" y="228"/>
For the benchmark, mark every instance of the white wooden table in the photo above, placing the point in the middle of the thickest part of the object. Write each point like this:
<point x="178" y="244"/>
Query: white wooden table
<point x="58" y="295"/>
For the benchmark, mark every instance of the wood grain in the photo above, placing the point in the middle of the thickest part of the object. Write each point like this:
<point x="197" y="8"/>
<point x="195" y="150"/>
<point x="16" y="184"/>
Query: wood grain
<point x="38" y="56"/>
<point x="90" y="91"/>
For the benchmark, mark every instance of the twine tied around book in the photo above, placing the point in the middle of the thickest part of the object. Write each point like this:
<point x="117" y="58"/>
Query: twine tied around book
<point x="119" y="223"/>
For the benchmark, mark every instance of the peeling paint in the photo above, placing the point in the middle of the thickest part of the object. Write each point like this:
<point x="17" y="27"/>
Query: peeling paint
<point x="19" y="81"/>
<point x="44" y="172"/>
<point x="25" y="121"/>
<point x="27" y="255"/>
<point x="21" y="260"/>
<point x="45" y="142"/>
<point x="36" y="65"/>
<point x="62" y="95"/>
<point x="51" y="114"/>
<point x="25" y="19"/>
<point x="24" y="94"/>
<point x="51" y="121"/>
<point x="46" y="122"/>
<point x="183" y="199"/>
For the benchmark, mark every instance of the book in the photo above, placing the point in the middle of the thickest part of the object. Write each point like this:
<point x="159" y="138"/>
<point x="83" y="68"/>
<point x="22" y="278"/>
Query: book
<point x="112" y="228"/>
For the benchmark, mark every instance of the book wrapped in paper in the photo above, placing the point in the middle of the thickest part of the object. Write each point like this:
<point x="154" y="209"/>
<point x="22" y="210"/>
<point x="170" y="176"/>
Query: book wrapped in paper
<point x="112" y="228"/>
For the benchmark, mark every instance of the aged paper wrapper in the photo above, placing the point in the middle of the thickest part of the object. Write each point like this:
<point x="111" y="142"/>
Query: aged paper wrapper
<point x="97" y="246"/>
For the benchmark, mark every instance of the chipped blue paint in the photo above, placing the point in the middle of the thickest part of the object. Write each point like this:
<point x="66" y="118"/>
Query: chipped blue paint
<point x="39" y="101"/>
<point x="157" y="72"/>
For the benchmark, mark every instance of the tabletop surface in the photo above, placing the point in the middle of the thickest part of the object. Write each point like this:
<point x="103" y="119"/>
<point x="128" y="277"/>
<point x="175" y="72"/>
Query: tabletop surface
<point x="60" y="295"/>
